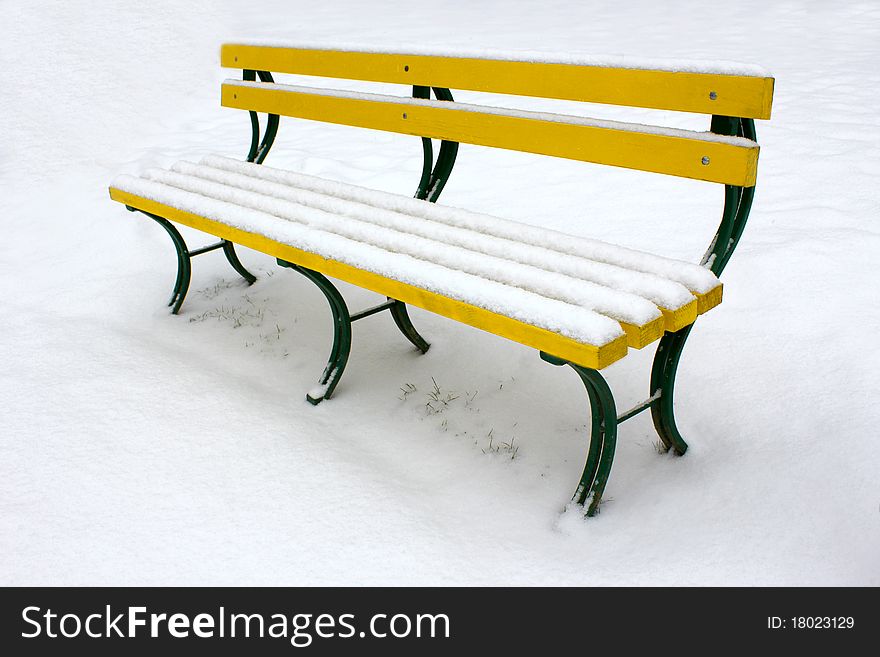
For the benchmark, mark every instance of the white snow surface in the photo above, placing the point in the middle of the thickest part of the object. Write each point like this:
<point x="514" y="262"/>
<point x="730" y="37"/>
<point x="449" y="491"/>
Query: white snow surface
<point x="501" y="111"/>
<point x="141" y="448"/>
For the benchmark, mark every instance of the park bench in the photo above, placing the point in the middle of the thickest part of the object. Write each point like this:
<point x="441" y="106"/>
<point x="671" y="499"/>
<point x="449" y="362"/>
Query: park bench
<point x="579" y="302"/>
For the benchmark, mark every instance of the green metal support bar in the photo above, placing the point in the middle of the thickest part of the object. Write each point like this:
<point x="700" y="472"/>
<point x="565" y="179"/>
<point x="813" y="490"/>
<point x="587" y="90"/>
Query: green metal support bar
<point x="206" y="249"/>
<point x="184" y="260"/>
<point x="603" y="436"/>
<point x="638" y="408"/>
<point x="341" y="334"/>
<point x="372" y="311"/>
<point x="401" y="318"/>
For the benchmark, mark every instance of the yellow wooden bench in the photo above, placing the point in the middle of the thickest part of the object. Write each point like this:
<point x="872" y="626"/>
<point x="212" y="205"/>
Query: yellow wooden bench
<point x="578" y="301"/>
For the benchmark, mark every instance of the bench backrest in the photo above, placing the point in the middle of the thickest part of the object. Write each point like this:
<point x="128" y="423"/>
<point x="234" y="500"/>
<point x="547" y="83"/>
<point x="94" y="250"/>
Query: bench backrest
<point x="720" y="158"/>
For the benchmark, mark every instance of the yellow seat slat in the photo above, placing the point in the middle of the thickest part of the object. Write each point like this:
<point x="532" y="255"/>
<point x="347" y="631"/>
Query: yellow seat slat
<point x="710" y="299"/>
<point x="595" y="357"/>
<point x="680" y="317"/>
<point x="700" y="159"/>
<point x="706" y="93"/>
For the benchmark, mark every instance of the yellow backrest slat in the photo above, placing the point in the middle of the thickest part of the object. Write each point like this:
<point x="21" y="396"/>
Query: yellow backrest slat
<point x="731" y="162"/>
<point x="745" y="96"/>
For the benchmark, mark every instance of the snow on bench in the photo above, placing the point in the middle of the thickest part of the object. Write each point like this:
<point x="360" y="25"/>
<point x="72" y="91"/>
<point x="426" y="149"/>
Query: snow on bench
<point x="676" y="65"/>
<point x="582" y="289"/>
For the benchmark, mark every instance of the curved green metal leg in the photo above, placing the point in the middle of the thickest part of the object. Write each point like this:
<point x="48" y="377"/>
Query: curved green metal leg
<point x="184" y="268"/>
<point x="232" y="257"/>
<point x="341" y="334"/>
<point x="603" y="436"/>
<point x="663" y="381"/>
<point x="445" y="158"/>
<point x="260" y="149"/>
<point x="737" y="205"/>
<point x="401" y="318"/>
<point x="435" y="175"/>
<point x="737" y="200"/>
<point x="185" y="256"/>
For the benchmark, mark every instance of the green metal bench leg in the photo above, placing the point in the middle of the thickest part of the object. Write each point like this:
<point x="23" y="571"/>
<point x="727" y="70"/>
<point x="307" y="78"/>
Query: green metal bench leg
<point x="603" y="436"/>
<point x="737" y="205"/>
<point x="595" y="449"/>
<point x="184" y="268"/>
<point x="184" y="260"/>
<point x="341" y="334"/>
<point x="663" y="381"/>
<point x="232" y="257"/>
<point x="401" y="318"/>
<point x="260" y="148"/>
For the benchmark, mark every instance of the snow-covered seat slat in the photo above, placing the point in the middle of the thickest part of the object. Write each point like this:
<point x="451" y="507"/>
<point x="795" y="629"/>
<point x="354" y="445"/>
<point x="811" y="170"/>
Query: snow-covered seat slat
<point x="534" y="276"/>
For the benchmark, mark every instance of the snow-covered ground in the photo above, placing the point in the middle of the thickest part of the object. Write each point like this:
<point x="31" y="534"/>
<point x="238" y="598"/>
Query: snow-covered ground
<point x="141" y="448"/>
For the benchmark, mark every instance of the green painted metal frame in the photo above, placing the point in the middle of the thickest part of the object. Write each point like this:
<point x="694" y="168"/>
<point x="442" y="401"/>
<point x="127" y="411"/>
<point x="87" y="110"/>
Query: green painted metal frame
<point x="341" y="334"/>
<point x="435" y="175"/>
<point x="603" y="432"/>
<point x="342" y="321"/>
<point x="260" y="147"/>
<point x="737" y="205"/>
<point x="603" y="436"/>
<point x="433" y="179"/>
<point x="185" y="256"/>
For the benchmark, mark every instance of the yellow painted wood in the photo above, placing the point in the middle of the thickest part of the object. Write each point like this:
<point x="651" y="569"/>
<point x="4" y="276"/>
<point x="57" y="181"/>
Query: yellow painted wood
<point x="677" y="156"/>
<point x="681" y="317"/>
<point x="735" y="95"/>
<point x="641" y="336"/>
<point x="595" y="357"/>
<point x="708" y="300"/>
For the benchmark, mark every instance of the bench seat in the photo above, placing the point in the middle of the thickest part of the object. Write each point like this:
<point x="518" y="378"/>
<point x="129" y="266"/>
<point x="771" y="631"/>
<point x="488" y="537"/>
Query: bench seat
<point x="570" y="295"/>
